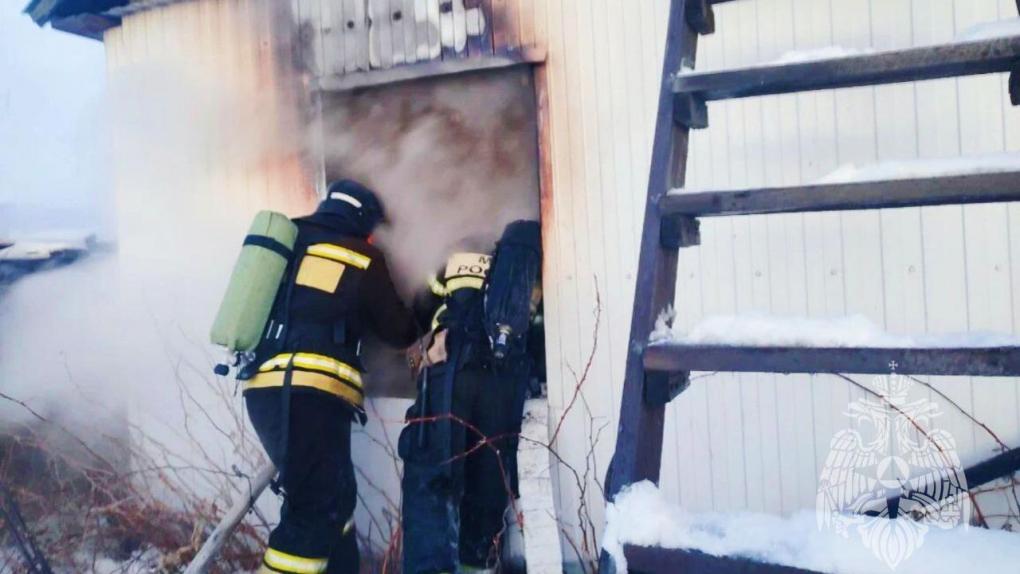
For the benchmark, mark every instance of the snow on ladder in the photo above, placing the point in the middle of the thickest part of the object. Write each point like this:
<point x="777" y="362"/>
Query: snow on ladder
<point x="656" y="374"/>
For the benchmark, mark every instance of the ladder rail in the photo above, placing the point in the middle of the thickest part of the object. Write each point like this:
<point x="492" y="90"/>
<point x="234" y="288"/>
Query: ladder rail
<point x="639" y="436"/>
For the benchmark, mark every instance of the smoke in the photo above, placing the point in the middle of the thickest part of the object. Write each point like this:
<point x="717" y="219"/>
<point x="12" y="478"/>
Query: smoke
<point x="120" y="341"/>
<point x="199" y="141"/>
<point x="453" y="159"/>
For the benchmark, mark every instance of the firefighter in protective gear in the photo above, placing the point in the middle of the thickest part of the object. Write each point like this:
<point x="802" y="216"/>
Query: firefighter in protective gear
<point x="305" y="386"/>
<point x="459" y="446"/>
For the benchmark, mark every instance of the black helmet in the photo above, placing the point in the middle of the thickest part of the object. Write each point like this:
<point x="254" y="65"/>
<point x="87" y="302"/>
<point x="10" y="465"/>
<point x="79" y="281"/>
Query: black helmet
<point x="347" y="197"/>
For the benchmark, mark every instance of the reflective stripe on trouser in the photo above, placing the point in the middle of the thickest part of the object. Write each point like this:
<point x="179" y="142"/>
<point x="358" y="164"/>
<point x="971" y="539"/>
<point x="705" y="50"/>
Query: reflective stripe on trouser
<point x="314" y="371"/>
<point x="278" y="561"/>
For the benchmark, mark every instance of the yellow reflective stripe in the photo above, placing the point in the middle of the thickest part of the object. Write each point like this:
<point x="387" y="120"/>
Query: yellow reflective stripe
<point x="341" y="254"/>
<point x="464" y="282"/>
<point x="291" y="563"/>
<point x="314" y="362"/>
<point x="436" y="287"/>
<point x="435" y="316"/>
<point x="348" y="526"/>
<point x="318" y="381"/>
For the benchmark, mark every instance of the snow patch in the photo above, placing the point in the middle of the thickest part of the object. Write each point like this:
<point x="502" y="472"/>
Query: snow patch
<point x="795" y="57"/>
<point x="990" y="30"/>
<point x="919" y="168"/>
<point x="642" y="516"/>
<point x="763" y="330"/>
<point x="1003" y="162"/>
<point x="817" y="54"/>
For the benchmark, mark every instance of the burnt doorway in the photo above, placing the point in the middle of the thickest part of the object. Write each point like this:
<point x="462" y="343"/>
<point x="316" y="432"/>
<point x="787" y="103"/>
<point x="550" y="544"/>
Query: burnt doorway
<point x="454" y="158"/>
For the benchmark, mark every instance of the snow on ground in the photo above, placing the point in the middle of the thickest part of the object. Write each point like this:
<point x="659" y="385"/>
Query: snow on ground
<point x="642" y="516"/>
<point x="763" y="330"/>
<point x="989" y="30"/>
<point x="918" y="168"/>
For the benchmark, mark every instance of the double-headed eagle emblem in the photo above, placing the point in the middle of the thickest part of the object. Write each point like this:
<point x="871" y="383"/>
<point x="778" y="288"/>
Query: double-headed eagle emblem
<point x="891" y="477"/>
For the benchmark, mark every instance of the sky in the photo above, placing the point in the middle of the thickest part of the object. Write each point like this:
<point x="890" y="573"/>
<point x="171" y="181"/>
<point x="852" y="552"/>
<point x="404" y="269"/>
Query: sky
<point x="51" y="137"/>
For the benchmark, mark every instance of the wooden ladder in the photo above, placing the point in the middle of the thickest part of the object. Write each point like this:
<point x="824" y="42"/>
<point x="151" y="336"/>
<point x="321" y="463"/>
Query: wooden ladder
<point x="656" y="374"/>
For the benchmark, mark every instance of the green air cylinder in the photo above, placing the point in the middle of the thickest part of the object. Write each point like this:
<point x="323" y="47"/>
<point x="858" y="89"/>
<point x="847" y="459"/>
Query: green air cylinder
<point x="256" y="278"/>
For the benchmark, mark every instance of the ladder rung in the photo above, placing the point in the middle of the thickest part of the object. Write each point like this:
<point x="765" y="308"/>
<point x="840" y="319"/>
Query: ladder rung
<point x="977" y="361"/>
<point x="942" y="190"/>
<point x="924" y="63"/>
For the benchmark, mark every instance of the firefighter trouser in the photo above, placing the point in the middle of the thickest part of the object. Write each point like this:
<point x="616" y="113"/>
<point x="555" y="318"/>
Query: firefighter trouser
<point x="316" y="530"/>
<point x="455" y="496"/>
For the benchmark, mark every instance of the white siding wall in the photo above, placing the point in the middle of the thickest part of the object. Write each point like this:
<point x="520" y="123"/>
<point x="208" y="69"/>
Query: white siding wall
<point x="757" y="441"/>
<point x="732" y="442"/>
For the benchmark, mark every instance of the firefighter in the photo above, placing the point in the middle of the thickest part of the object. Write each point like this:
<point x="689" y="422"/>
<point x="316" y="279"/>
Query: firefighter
<point x="459" y="446"/>
<point x="303" y="392"/>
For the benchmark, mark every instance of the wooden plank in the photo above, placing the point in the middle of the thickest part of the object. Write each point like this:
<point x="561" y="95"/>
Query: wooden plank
<point x="351" y="35"/>
<point x="513" y="26"/>
<point x="410" y="36"/>
<point x="979" y="361"/>
<point x="334" y="41"/>
<point x="1003" y="464"/>
<point x="460" y="25"/>
<point x="500" y="24"/>
<point x="356" y="80"/>
<point x="447" y="28"/>
<point x="310" y="23"/>
<point x="774" y="29"/>
<point x="961" y="189"/>
<point x="526" y="21"/>
<point x="639" y="438"/>
<point x="742" y="36"/>
<point x="394" y="18"/>
<point x="487" y="38"/>
<point x="426" y="18"/>
<point x="474" y="24"/>
<point x="380" y="31"/>
<point x="925" y="63"/>
<point x="653" y="560"/>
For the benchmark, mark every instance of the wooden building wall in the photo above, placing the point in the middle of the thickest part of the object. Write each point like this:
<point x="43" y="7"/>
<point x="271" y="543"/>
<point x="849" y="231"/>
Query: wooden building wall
<point x="758" y="442"/>
<point x="733" y="442"/>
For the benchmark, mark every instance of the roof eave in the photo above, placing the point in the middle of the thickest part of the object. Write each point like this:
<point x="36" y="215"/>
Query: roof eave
<point x="87" y="25"/>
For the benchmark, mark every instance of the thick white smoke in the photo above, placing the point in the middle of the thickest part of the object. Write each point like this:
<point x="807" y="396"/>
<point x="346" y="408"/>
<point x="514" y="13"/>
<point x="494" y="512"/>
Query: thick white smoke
<point x="194" y="154"/>
<point x="118" y="343"/>
<point x="454" y="160"/>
